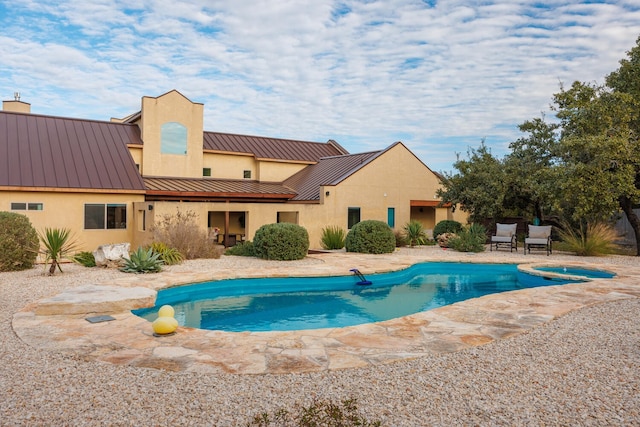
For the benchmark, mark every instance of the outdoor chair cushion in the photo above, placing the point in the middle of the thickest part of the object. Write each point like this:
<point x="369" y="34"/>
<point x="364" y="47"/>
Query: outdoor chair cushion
<point x="505" y="230"/>
<point x="539" y="232"/>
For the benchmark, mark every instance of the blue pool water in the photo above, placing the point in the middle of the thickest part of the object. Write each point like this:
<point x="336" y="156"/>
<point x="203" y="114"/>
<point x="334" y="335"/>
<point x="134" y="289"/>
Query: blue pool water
<point x="280" y="304"/>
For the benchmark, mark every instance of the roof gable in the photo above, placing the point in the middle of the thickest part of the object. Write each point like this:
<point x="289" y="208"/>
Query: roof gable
<point x="56" y="152"/>
<point x="328" y="171"/>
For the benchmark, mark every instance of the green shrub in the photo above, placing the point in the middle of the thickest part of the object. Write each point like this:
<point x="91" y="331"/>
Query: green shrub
<point x="18" y="242"/>
<point x="142" y="261"/>
<point x="282" y="241"/>
<point x="242" y="249"/>
<point x="469" y="239"/>
<point x="317" y="414"/>
<point x="446" y="226"/>
<point x="181" y="231"/>
<point x="370" y="237"/>
<point x="168" y="255"/>
<point x="590" y="240"/>
<point x="401" y="240"/>
<point x="332" y="237"/>
<point x="445" y="238"/>
<point x="84" y="258"/>
<point x="414" y="233"/>
<point x="58" y="243"/>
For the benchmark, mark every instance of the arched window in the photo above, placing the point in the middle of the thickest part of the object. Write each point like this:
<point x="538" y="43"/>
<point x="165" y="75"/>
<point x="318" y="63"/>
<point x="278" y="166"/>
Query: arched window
<point x="173" y="138"/>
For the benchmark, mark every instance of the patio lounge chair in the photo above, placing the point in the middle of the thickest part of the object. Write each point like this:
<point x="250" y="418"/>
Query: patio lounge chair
<point x="505" y="236"/>
<point x="539" y="237"/>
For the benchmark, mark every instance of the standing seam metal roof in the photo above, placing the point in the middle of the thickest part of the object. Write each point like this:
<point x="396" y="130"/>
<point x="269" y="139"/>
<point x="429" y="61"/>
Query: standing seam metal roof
<point x="270" y="148"/>
<point x="55" y="152"/>
<point x="329" y="171"/>
<point x="208" y="187"/>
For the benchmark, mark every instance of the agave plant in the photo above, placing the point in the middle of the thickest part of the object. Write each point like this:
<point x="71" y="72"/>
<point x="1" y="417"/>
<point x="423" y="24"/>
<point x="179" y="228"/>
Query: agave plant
<point x="414" y="233"/>
<point x="143" y="261"/>
<point x="58" y="244"/>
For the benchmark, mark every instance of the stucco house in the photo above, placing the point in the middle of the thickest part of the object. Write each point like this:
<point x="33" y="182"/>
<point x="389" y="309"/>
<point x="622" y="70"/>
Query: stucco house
<point x="109" y="181"/>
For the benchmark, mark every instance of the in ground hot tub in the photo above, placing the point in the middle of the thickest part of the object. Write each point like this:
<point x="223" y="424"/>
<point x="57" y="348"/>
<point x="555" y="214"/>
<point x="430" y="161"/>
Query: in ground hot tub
<point x="542" y="273"/>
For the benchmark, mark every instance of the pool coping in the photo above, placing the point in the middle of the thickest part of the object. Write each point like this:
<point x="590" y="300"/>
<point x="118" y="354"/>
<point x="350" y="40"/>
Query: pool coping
<point x="129" y="339"/>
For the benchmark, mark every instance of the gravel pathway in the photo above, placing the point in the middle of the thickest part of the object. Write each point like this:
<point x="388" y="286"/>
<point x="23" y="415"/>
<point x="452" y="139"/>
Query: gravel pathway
<point x="581" y="369"/>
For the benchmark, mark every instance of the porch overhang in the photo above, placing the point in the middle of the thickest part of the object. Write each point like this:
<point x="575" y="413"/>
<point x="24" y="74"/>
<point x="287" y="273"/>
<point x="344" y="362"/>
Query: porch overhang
<point x="429" y="203"/>
<point x="214" y="190"/>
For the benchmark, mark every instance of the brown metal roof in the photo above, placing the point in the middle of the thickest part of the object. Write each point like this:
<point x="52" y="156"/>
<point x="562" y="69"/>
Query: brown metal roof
<point x="328" y="171"/>
<point x="214" y="189"/>
<point x="55" y="152"/>
<point x="271" y="148"/>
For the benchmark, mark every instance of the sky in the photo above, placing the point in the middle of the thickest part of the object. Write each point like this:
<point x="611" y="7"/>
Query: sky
<point x="440" y="76"/>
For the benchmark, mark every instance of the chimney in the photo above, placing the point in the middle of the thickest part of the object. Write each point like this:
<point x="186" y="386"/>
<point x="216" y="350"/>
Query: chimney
<point x="16" y="105"/>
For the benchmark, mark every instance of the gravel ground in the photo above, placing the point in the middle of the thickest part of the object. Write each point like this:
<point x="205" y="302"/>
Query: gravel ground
<point x="581" y="369"/>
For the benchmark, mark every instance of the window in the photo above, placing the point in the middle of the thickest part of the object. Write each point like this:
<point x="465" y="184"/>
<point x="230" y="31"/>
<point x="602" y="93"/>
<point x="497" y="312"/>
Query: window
<point x="173" y="138"/>
<point x="247" y="174"/>
<point x="353" y="217"/>
<point x="206" y="171"/>
<point x="100" y="216"/>
<point x="27" y="206"/>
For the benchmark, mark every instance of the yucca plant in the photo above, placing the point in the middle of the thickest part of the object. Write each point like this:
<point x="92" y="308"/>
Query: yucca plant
<point x="58" y="244"/>
<point x="168" y="255"/>
<point x="414" y="233"/>
<point x="589" y="239"/>
<point x="142" y="261"/>
<point x="332" y="237"/>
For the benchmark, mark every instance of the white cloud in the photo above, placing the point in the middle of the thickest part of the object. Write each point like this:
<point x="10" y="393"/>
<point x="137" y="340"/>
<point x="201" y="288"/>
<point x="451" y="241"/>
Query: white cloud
<point x="364" y="73"/>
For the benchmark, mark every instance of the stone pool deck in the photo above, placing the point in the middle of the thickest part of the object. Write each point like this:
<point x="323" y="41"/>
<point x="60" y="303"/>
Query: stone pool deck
<point x="59" y="323"/>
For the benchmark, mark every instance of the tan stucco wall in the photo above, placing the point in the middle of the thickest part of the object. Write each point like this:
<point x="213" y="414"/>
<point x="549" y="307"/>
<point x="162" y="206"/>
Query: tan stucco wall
<point x="229" y="166"/>
<point x="232" y="166"/>
<point x="277" y="171"/>
<point x="66" y="210"/>
<point x="136" y="154"/>
<point x="398" y="174"/>
<point x="171" y="107"/>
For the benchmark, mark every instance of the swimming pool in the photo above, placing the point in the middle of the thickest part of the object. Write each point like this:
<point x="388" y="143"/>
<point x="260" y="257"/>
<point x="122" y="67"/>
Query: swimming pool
<point x="295" y="303"/>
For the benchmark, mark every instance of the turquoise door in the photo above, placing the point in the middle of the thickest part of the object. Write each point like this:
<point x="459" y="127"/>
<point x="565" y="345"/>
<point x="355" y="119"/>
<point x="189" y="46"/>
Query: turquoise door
<point x="391" y="217"/>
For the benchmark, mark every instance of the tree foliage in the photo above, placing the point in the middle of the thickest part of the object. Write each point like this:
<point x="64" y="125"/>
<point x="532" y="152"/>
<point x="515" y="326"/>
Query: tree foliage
<point x="583" y="167"/>
<point x="479" y="186"/>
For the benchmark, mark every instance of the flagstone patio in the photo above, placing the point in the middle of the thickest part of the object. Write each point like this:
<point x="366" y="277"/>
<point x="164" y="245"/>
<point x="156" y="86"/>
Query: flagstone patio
<point x="59" y="323"/>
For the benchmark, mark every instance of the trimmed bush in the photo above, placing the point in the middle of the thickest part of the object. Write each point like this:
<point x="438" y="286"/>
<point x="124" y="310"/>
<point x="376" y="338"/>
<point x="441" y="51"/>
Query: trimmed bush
<point x="332" y="237"/>
<point x="18" y="242"/>
<point x="282" y="241"/>
<point x="371" y="237"/>
<point x="446" y="226"/>
<point x="241" y="249"/>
